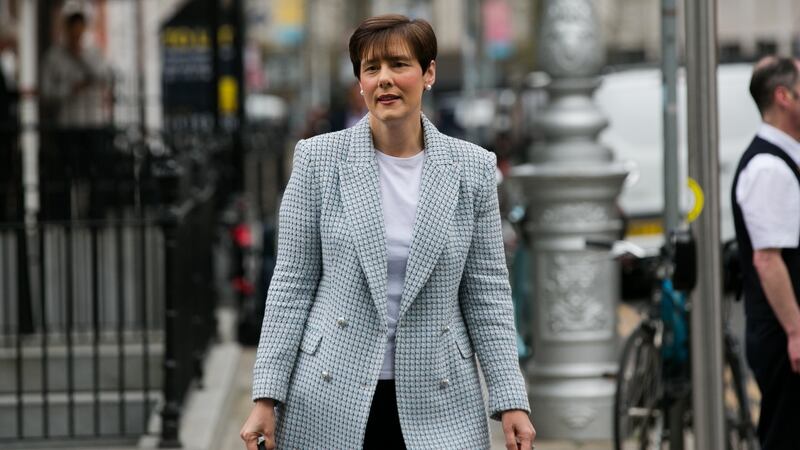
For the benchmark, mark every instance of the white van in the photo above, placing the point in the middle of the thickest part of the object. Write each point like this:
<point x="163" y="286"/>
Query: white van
<point x="631" y="100"/>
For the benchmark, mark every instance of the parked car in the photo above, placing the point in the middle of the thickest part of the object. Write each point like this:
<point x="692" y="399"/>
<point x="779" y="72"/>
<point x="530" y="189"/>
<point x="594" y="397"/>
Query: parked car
<point x="631" y="99"/>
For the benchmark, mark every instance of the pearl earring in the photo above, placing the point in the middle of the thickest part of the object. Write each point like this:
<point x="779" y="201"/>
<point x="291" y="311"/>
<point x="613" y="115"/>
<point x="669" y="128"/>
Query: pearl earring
<point x="361" y="92"/>
<point x="427" y="87"/>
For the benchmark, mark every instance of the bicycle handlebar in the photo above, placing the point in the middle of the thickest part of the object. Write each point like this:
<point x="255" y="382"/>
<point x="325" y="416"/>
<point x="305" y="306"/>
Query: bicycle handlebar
<point x="617" y="248"/>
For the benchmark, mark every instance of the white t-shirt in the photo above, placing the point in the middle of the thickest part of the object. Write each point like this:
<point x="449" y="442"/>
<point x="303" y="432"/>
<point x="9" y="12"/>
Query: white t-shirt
<point x="769" y="194"/>
<point x="399" y="181"/>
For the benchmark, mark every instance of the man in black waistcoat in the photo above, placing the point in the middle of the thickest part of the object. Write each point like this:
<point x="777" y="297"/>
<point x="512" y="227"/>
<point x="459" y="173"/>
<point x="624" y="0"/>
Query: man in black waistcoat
<point x="766" y="212"/>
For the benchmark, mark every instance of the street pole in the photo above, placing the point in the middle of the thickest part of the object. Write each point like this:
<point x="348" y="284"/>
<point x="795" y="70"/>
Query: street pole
<point x="28" y="44"/>
<point x="239" y="25"/>
<point x="306" y="90"/>
<point x="671" y="182"/>
<point x="570" y="191"/>
<point x="213" y="8"/>
<point x="141" y="72"/>
<point x="701" y="81"/>
<point x="669" y="68"/>
<point x="469" y="66"/>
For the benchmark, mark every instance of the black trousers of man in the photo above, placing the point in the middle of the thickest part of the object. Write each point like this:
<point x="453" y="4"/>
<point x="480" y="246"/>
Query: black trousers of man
<point x="780" y="387"/>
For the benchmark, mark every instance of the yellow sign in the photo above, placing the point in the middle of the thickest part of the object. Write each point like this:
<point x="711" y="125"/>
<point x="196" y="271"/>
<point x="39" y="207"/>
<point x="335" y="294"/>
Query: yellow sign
<point x="225" y="35"/>
<point x="699" y="200"/>
<point x="185" y="37"/>
<point x="228" y="95"/>
<point x="288" y="12"/>
<point x="644" y="227"/>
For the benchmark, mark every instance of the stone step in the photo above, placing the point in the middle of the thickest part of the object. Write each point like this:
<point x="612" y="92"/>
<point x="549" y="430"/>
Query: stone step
<point x="110" y="415"/>
<point x="104" y="371"/>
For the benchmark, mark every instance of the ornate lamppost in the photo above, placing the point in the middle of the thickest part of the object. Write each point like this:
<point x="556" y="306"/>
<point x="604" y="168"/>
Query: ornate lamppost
<point x="570" y="189"/>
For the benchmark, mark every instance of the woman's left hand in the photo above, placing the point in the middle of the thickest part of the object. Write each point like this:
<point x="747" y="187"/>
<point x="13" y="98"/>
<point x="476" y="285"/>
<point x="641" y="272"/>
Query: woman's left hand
<point x="518" y="429"/>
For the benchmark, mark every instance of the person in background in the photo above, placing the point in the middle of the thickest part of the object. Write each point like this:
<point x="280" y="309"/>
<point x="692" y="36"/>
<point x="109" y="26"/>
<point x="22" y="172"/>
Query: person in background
<point x="10" y="157"/>
<point x="390" y="278"/>
<point x="766" y="211"/>
<point x="76" y="78"/>
<point x="12" y="194"/>
<point x="75" y="90"/>
<point x="351" y="111"/>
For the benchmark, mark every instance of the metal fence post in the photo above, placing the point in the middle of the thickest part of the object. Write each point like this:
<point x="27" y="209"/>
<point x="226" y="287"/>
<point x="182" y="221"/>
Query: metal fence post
<point x="171" y="412"/>
<point x="168" y="183"/>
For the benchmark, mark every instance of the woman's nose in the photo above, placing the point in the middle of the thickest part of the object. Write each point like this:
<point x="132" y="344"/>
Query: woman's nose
<point x="384" y="77"/>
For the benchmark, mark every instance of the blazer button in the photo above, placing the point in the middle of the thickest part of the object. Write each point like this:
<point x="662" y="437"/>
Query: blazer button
<point x="326" y="376"/>
<point x="444" y="383"/>
<point x="341" y="322"/>
<point x="445" y="329"/>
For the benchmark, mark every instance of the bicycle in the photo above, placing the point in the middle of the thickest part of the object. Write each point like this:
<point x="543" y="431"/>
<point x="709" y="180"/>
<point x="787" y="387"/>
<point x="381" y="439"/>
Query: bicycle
<point x="652" y="404"/>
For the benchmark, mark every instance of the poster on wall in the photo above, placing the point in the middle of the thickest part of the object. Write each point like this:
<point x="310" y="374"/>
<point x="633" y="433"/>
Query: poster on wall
<point x="198" y="95"/>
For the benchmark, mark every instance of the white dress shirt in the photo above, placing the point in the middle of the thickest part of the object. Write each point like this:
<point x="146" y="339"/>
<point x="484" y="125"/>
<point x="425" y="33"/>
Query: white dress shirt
<point x="769" y="194"/>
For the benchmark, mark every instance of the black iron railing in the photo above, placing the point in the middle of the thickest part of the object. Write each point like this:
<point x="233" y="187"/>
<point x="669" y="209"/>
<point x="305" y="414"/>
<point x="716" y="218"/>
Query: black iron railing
<point x="104" y="320"/>
<point x="78" y="349"/>
<point x="189" y="305"/>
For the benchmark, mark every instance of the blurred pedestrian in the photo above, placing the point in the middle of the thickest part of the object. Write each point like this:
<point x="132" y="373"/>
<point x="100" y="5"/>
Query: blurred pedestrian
<point x="766" y="211"/>
<point x="351" y="111"/>
<point x="8" y="94"/>
<point x="390" y="278"/>
<point x="10" y="157"/>
<point x="318" y="121"/>
<point x="75" y="91"/>
<point x="12" y="195"/>
<point x="76" y="78"/>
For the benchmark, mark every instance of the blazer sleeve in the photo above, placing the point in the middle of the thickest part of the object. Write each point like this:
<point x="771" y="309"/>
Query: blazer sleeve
<point x="485" y="297"/>
<point x="294" y="281"/>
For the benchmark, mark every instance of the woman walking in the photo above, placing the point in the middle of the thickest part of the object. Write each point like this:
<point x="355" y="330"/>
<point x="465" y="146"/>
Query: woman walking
<point x="390" y="278"/>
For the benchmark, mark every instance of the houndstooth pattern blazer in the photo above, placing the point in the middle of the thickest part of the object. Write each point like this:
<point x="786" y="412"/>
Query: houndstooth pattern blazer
<point x="325" y="327"/>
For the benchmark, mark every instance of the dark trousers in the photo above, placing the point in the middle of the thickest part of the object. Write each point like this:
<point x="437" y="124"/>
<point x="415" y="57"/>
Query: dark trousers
<point x="780" y="387"/>
<point x="79" y="174"/>
<point x="11" y="194"/>
<point x="383" y="426"/>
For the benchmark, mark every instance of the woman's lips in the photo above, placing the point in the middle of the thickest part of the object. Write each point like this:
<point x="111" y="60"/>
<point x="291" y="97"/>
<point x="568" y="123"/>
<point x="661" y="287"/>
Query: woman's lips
<point x="386" y="99"/>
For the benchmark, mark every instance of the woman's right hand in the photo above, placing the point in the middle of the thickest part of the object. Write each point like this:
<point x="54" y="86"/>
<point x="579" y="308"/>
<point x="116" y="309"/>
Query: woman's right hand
<point x="261" y="422"/>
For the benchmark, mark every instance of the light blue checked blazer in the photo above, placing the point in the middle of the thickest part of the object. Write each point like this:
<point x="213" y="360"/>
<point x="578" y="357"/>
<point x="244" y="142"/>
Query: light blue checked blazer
<point x="325" y="327"/>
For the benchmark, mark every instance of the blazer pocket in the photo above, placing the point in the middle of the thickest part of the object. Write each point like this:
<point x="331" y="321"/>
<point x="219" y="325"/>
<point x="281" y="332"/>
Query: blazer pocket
<point x="464" y="345"/>
<point x="311" y="339"/>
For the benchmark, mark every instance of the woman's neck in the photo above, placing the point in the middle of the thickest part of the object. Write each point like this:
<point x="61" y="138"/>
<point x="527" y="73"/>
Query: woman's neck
<point x="397" y="138"/>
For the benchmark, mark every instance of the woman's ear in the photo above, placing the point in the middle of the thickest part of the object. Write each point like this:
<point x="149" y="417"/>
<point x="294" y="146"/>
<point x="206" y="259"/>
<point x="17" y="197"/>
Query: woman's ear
<point x="430" y="74"/>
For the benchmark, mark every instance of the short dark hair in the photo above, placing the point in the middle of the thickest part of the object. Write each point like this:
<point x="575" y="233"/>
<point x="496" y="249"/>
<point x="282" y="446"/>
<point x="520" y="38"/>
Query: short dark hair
<point x="769" y="74"/>
<point x="375" y="35"/>
<point x="74" y="18"/>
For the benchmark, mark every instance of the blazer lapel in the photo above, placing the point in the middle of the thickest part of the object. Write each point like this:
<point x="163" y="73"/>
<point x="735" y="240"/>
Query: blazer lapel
<point x="361" y="197"/>
<point x="437" y="201"/>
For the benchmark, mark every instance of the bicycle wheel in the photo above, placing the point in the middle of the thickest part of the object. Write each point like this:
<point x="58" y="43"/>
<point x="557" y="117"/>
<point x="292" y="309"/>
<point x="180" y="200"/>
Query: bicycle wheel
<point x="740" y="431"/>
<point x="638" y="419"/>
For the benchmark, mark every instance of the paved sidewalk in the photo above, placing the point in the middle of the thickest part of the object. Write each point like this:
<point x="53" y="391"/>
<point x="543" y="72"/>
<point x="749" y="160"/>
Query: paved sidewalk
<point x="213" y="417"/>
<point x="240" y="405"/>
